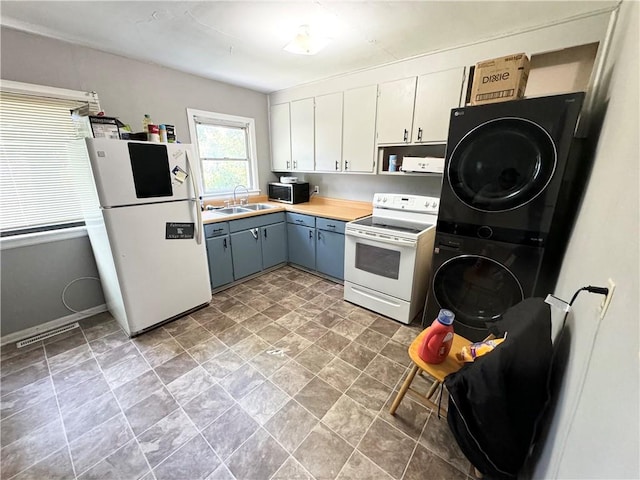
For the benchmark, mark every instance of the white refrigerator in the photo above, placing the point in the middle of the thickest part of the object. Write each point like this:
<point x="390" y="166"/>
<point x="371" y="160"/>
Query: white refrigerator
<point x="142" y="209"/>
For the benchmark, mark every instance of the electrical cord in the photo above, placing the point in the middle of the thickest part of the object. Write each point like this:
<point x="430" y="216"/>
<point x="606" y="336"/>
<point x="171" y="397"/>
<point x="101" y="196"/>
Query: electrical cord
<point x="68" y="285"/>
<point x="591" y="289"/>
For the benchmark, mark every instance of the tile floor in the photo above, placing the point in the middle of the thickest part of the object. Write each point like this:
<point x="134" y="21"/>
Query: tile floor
<point x="278" y="378"/>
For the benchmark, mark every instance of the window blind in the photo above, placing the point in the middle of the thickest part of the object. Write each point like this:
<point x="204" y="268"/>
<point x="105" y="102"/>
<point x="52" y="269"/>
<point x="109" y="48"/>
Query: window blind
<point x="39" y="156"/>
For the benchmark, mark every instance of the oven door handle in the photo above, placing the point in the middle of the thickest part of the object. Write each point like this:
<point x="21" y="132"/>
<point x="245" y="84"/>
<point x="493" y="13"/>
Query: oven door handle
<point x="375" y="238"/>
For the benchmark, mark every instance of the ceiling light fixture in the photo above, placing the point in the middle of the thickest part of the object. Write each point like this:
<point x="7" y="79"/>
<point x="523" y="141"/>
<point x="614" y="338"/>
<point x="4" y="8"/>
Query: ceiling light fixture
<point x="304" y="43"/>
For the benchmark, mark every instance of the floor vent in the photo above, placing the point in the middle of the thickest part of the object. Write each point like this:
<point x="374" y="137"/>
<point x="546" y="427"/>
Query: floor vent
<point x="45" y="335"/>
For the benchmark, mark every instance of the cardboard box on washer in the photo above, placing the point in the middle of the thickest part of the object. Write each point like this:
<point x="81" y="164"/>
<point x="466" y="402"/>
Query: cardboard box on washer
<point x="500" y="79"/>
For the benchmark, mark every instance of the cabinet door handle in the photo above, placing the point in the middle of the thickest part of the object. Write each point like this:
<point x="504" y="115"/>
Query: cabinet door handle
<point x="265" y="233"/>
<point x="295" y="164"/>
<point x="297" y="220"/>
<point x="310" y="233"/>
<point x="288" y="164"/>
<point x="406" y="134"/>
<point x="419" y="134"/>
<point x="224" y="243"/>
<point x="318" y="234"/>
<point x="330" y="226"/>
<point x="336" y="164"/>
<point x="346" y="164"/>
<point x="254" y="232"/>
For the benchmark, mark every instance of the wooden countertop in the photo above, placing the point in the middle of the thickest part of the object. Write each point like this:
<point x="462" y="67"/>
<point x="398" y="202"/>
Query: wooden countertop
<point x="334" y="208"/>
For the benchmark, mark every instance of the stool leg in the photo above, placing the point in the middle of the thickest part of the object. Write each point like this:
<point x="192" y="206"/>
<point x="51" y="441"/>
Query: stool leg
<point x="433" y="389"/>
<point x="403" y="389"/>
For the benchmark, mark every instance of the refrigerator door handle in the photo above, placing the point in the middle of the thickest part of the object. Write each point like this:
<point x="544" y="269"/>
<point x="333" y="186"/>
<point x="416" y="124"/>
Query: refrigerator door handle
<point x="196" y="200"/>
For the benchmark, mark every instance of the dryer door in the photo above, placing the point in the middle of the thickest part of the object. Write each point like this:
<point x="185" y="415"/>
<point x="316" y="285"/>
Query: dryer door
<point x="502" y="164"/>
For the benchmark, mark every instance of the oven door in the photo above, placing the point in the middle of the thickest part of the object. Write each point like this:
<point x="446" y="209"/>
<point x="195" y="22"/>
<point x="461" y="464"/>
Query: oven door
<point x="382" y="264"/>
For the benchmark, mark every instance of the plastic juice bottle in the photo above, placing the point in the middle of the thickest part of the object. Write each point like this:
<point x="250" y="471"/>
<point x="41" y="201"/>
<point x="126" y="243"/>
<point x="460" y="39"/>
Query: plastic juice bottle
<point x="439" y="338"/>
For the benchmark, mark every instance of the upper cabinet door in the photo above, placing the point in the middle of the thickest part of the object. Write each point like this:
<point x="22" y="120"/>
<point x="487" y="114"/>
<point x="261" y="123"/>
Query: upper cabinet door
<point x="395" y="110"/>
<point x="359" y="130"/>
<point x="302" y="135"/>
<point x="280" y="138"/>
<point x="328" y="127"/>
<point x="436" y="95"/>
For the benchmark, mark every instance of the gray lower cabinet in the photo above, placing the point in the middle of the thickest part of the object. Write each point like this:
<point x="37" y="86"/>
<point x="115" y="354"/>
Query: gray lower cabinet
<point x="330" y="253"/>
<point x="316" y="243"/>
<point x="219" y="258"/>
<point x="246" y="252"/>
<point x="302" y="245"/>
<point x="274" y="244"/>
<point x="258" y="243"/>
<point x="220" y="261"/>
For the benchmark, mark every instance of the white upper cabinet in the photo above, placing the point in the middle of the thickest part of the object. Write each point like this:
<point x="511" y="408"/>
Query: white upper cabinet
<point x="328" y="128"/>
<point x="395" y="110"/>
<point x="359" y="131"/>
<point x="436" y="94"/>
<point x="302" y="135"/>
<point x="280" y="138"/>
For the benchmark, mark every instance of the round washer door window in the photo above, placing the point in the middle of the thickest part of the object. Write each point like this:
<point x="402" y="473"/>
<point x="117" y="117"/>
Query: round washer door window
<point x="502" y="164"/>
<point x="477" y="289"/>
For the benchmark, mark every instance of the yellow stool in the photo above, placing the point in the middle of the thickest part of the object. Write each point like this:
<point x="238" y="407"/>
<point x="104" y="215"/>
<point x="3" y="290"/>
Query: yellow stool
<point x="437" y="371"/>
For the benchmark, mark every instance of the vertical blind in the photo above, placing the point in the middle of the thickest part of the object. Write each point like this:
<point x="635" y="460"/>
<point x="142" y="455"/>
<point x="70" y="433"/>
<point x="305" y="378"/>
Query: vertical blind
<point x="39" y="158"/>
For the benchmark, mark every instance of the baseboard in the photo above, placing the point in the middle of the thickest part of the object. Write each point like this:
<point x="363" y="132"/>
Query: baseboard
<point x="58" y="322"/>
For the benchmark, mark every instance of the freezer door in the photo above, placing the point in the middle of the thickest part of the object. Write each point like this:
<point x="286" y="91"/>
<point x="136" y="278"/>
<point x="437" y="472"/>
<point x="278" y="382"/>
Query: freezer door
<point x="162" y="271"/>
<point x="134" y="173"/>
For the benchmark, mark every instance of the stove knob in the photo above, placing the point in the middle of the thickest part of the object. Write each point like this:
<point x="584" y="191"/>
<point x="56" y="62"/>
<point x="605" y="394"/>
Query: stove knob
<point x="384" y="199"/>
<point x="434" y="204"/>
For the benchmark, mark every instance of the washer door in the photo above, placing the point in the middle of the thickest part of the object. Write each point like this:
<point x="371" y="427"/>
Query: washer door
<point x="477" y="289"/>
<point x="502" y="164"/>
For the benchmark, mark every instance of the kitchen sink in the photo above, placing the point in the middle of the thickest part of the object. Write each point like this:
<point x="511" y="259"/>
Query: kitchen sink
<point x="233" y="210"/>
<point x="258" y="206"/>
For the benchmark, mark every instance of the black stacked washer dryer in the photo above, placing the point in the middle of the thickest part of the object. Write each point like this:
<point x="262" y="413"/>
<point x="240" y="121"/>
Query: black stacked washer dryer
<point x="512" y="183"/>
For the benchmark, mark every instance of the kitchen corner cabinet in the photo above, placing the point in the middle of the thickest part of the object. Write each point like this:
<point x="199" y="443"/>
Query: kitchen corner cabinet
<point x="328" y="132"/>
<point x="280" y="138"/>
<point x="359" y="129"/>
<point x="395" y="110"/>
<point x="302" y="135"/>
<point x="436" y="94"/>
<point x="316" y="244"/>
<point x="218" y="245"/>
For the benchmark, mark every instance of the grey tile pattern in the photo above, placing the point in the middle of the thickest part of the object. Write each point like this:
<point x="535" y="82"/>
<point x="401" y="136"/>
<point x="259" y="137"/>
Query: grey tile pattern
<point x="277" y="377"/>
<point x="323" y="453"/>
<point x="291" y="425"/>
<point x="259" y="457"/>
<point x="194" y="460"/>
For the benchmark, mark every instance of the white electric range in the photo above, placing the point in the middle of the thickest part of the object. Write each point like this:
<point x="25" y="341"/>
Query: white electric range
<point x="387" y="262"/>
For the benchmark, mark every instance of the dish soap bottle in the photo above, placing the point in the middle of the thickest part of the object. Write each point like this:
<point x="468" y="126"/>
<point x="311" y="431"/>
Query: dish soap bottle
<point x="146" y="121"/>
<point x="437" y="342"/>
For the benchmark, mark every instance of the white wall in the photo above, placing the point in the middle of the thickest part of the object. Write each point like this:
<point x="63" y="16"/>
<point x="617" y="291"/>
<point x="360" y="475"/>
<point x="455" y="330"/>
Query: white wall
<point x="595" y="432"/>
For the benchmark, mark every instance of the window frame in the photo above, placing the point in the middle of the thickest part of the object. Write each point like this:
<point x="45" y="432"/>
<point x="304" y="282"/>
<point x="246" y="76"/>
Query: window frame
<point x="57" y="232"/>
<point x="224" y="119"/>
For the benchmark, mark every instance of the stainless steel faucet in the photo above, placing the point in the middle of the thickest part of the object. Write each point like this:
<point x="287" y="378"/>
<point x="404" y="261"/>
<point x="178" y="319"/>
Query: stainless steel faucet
<point x="243" y="201"/>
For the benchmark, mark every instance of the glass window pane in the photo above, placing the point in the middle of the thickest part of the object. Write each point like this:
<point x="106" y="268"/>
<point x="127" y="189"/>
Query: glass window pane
<point x="219" y="141"/>
<point x="223" y="176"/>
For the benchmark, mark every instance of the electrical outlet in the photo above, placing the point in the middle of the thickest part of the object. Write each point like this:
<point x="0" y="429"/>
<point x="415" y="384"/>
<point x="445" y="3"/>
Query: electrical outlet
<point x="607" y="300"/>
<point x="316" y="190"/>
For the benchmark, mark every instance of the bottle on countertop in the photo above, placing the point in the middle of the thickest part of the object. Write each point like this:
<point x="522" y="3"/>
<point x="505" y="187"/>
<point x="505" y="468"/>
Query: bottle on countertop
<point x="437" y="342"/>
<point x="145" y="123"/>
<point x="154" y="133"/>
<point x="163" y="133"/>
